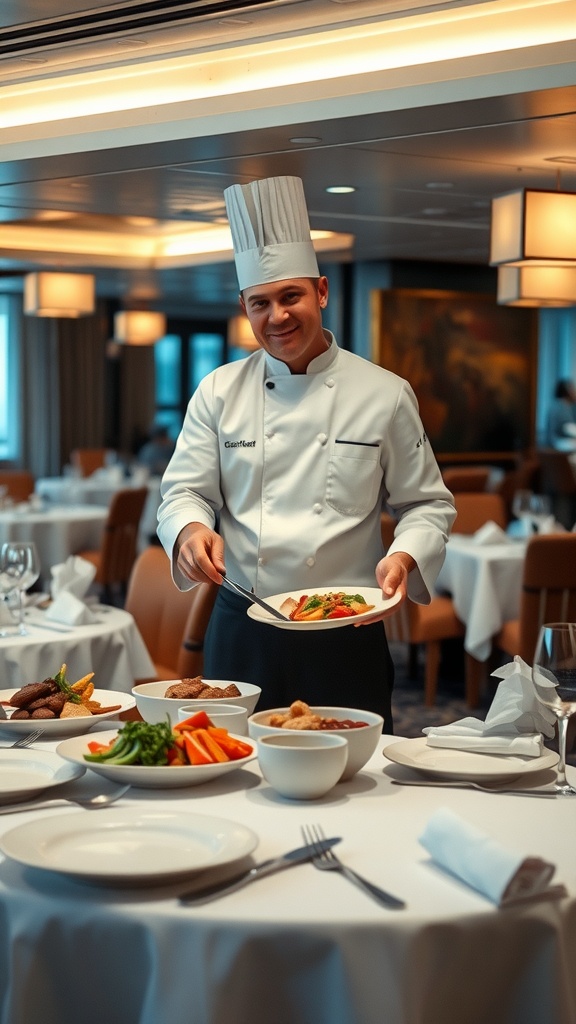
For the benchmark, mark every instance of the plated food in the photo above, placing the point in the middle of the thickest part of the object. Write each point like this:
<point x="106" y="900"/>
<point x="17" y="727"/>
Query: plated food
<point x="332" y="608"/>
<point x="156" y="756"/>
<point x="362" y="742"/>
<point x="300" y="716"/>
<point x="56" y="697"/>
<point x="154" y="705"/>
<point x="198" y="689"/>
<point x="67" y="726"/>
<point x="447" y="763"/>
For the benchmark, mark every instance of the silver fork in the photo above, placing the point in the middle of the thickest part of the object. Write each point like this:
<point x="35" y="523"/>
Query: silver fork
<point x="326" y="860"/>
<point x="27" y="739"/>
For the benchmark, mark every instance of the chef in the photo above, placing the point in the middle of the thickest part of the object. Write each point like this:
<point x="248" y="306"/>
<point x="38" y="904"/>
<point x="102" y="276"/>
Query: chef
<point x="285" y="462"/>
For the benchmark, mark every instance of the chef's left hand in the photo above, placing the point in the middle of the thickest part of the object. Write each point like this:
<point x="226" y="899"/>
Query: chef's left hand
<point x="392" y="576"/>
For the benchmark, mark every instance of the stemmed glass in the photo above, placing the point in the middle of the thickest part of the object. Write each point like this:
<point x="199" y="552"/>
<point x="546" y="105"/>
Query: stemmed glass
<point x="9" y="584"/>
<point x="522" y="509"/>
<point x="554" y="676"/>
<point x="20" y="561"/>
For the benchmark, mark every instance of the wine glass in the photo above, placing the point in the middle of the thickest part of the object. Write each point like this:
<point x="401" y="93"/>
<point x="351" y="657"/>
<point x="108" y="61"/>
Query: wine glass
<point x="522" y="509"/>
<point x="540" y="510"/>
<point x="21" y="562"/>
<point x="554" y="676"/>
<point x="9" y="584"/>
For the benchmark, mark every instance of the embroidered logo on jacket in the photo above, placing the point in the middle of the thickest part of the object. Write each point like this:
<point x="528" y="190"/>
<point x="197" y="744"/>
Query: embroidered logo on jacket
<point x="240" y="444"/>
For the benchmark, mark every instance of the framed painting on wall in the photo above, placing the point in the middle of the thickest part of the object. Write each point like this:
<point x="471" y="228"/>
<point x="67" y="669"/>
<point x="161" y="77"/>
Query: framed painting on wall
<point x="472" y="365"/>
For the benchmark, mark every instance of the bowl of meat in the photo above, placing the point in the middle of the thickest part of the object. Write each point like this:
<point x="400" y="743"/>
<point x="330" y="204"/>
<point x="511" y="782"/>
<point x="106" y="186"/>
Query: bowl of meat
<point x="157" y="700"/>
<point x="361" y="729"/>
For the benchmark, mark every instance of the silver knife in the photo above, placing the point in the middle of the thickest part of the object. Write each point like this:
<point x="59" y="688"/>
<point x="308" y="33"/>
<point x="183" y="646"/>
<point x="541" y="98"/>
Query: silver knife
<point x="267" y="867"/>
<point x="255" y="600"/>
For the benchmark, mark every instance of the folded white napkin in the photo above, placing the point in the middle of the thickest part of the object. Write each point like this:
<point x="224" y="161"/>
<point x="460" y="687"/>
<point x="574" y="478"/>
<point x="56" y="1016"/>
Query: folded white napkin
<point x="551" y="525"/>
<point x="490" y="533"/>
<point x="70" y="582"/>
<point x="69" y="609"/>
<point x="74" y="576"/>
<point x="515" y="722"/>
<point x="502" y="875"/>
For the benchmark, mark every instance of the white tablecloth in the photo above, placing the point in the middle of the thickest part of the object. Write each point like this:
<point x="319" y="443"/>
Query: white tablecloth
<point x="301" y="947"/>
<point x="99" y="491"/>
<point x="57" y="532"/>
<point x="112" y="648"/>
<point x="485" y="583"/>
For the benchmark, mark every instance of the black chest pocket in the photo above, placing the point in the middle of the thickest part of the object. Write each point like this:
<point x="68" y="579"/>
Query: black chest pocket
<point x="354" y="476"/>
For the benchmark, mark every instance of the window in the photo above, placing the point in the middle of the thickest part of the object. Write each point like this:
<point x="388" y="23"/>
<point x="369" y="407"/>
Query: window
<point x="8" y="385"/>
<point x="182" y="358"/>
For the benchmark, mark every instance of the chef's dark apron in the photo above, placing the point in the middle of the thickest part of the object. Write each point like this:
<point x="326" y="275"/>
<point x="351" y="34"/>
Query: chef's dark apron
<point x="345" y="667"/>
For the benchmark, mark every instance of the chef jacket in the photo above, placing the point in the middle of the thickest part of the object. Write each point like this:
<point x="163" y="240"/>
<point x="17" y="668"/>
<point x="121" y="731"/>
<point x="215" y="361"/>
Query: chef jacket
<point x="294" y="470"/>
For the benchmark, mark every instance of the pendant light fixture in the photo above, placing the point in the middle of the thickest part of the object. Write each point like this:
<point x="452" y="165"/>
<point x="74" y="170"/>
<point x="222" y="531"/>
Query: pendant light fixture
<point x="59" y="295"/>
<point x="139" y="327"/>
<point x="533" y="227"/>
<point x="536" y="286"/>
<point x="240" y="334"/>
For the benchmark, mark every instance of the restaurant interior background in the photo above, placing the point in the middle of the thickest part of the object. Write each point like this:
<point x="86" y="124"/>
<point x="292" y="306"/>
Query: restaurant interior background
<point x="121" y="125"/>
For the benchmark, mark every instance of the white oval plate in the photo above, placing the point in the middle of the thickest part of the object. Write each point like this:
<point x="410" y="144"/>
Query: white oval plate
<point x="157" y="777"/>
<point x="26" y="773"/>
<point x="65" y="726"/>
<point x="372" y="595"/>
<point x="446" y="763"/>
<point x="128" y="847"/>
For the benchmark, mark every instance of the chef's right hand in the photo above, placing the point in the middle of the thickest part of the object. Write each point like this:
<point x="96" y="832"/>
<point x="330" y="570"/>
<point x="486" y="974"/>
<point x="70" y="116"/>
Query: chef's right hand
<point x="200" y="554"/>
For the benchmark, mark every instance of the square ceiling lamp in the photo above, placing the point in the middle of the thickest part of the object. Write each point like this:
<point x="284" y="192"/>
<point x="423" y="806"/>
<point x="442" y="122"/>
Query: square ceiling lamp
<point x="533" y="226"/>
<point x="139" y="327"/>
<point x="536" y="286"/>
<point x="240" y="334"/>
<point x="59" y="295"/>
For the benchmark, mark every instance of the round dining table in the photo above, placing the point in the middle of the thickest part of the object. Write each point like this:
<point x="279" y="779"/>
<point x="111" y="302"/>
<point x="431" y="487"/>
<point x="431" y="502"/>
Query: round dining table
<point x="57" y="532"/>
<point x="99" y="489"/>
<point x="111" y="647"/>
<point x="301" y="946"/>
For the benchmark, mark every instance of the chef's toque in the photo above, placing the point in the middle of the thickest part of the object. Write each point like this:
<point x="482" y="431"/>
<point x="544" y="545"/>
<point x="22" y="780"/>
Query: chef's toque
<point x="270" y="231"/>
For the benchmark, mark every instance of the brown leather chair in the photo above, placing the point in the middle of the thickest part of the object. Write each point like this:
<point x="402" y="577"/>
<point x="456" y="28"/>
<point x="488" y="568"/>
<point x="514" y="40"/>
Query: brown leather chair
<point x="88" y="460"/>
<point x="466" y="478"/>
<point x="117" y="553"/>
<point x="19" y="483"/>
<point x="473" y="509"/>
<point x="548" y="593"/>
<point x="172" y="623"/>
<point x="558" y="480"/>
<point x="426" y="624"/>
<point x="524" y="477"/>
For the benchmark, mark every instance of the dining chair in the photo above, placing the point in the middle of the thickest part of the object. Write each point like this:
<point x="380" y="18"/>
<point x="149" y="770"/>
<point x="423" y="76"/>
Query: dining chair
<point x="117" y="553"/>
<point x="172" y="622"/>
<point x="558" y="480"/>
<point x="19" y="483"/>
<point x="88" y="460"/>
<point x="473" y="509"/>
<point x="548" y="593"/>
<point x="466" y="478"/>
<point x="525" y="476"/>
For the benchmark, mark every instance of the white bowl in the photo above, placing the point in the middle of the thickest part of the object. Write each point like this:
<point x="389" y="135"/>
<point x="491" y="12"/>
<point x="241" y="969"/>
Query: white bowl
<point x="223" y="716"/>
<point x="154" y="706"/>
<point x="302" y="765"/>
<point x="144" y="776"/>
<point x="362" y="741"/>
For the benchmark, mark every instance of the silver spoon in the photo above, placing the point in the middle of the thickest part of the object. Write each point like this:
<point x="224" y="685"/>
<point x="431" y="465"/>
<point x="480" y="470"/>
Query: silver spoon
<point x="89" y="803"/>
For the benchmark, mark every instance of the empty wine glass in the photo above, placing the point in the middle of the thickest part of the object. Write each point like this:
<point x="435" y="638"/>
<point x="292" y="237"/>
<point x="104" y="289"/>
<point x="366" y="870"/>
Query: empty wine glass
<point x="521" y="507"/>
<point x="554" y="676"/>
<point x="21" y="562"/>
<point x="9" y="585"/>
<point x="540" y="509"/>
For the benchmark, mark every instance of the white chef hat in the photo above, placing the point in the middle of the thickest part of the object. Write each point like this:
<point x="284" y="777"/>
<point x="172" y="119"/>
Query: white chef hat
<point x="270" y="231"/>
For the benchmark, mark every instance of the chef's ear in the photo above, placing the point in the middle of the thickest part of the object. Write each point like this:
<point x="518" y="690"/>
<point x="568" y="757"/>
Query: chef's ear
<point x="323" y="292"/>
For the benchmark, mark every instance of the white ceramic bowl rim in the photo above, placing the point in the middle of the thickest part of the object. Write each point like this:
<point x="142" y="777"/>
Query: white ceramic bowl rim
<point x="306" y="739"/>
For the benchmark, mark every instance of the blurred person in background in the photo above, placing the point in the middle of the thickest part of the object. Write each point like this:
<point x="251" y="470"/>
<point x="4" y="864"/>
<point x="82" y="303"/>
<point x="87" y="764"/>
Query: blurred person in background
<point x="562" y="417"/>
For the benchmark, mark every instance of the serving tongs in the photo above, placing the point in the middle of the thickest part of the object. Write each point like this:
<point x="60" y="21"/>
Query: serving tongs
<point x="253" y="599"/>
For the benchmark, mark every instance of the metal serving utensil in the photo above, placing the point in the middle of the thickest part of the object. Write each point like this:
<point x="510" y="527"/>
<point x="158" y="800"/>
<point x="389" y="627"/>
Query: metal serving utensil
<point x="254" y="599"/>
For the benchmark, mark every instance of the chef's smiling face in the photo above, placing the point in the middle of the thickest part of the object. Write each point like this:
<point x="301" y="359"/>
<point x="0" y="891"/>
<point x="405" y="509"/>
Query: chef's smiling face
<point x="286" y="318"/>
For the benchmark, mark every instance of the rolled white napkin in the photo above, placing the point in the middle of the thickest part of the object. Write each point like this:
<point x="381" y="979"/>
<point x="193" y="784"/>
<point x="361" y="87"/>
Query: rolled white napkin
<point x="69" y="609"/>
<point x="503" y="875"/>
<point x="514" y="724"/>
<point x="73" y="576"/>
<point x="490" y="533"/>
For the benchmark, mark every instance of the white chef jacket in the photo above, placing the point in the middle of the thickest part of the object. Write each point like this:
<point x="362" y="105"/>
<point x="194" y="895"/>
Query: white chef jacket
<point x="295" y="470"/>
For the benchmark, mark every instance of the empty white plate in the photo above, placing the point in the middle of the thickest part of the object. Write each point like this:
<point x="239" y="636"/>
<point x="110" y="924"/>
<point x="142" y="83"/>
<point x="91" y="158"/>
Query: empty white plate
<point x="26" y="773"/>
<point x="447" y="763"/>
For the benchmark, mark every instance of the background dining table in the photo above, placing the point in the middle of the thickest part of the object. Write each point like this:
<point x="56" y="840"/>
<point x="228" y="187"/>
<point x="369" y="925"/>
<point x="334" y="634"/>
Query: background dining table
<point x="299" y="947"/>
<point x="485" y="583"/>
<point x="57" y="532"/>
<point x="111" y="647"/>
<point x="99" y="489"/>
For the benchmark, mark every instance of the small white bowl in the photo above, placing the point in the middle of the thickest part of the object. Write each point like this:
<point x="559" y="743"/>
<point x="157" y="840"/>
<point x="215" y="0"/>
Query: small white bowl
<point x="302" y="765"/>
<point x="362" y="741"/>
<point x="154" y="706"/>
<point x="223" y="716"/>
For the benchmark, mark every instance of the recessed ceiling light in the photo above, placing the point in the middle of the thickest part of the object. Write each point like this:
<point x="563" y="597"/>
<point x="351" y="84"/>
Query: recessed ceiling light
<point x="340" y="189"/>
<point x="439" y="184"/>
<point x="305" y="140"/>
